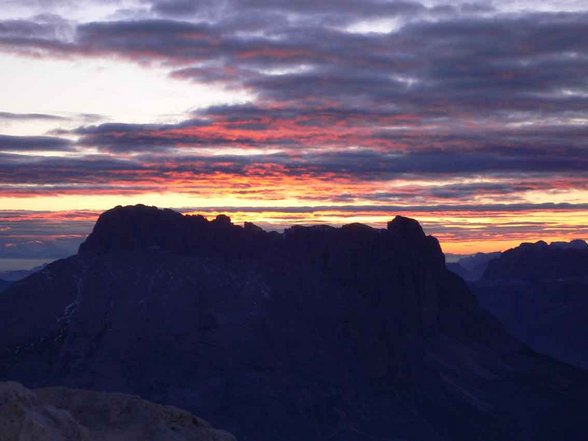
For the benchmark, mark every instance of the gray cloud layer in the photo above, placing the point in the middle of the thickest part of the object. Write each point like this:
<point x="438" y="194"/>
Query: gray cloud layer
<point x="454" y="90"/>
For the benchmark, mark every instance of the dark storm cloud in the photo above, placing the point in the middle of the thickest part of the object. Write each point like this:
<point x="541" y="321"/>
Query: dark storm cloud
<point x="378" y="165"/>
<point x="448" y="66"/>
<point x="97" y="174"/>
<point x="324" y="12"/>
<point x="469" y="191"/>
<point x="118" y="137"/>
<point x="28" y="29"/>
<point x="40" y="35"/>
<point x="40" y="170"/>
<point x="383" y="208"/>
<point x="303" y="135"/>
<point x="33" y="143"/>
<point x="451" y="90"/>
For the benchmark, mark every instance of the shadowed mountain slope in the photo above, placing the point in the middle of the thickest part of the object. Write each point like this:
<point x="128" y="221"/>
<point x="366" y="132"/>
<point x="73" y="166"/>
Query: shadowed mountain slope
<point x="316" y="333"/>
<point x="540" y="293"/>
<point x="4" y="284"/>
<point x="541" y="262"/>
<point x="472" y="267"/>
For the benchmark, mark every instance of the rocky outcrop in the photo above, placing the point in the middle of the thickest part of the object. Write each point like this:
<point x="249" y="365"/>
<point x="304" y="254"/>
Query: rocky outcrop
<point x="24" y="418"/>
<point x="147" y="228"/>
<point x="60" y="414"/>
<point x="316" y="333"/>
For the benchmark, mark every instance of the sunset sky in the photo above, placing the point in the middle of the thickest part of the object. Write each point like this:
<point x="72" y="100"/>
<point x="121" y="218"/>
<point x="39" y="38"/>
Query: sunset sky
<point x="470" y="116"/>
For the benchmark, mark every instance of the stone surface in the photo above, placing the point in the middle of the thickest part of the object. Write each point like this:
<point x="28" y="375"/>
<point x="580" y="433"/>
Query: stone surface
<point x="61" y="414"/>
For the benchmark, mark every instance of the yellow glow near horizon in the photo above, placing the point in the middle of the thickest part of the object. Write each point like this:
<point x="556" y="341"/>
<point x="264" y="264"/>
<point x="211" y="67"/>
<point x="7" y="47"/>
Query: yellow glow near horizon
<point x="460" y="232"/>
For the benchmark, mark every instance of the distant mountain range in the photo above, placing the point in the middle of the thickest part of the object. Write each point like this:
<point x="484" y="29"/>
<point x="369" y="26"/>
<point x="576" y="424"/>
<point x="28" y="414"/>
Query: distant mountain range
<point x="540" y="293"/>
<point x="541" y="262"/>
<point x="13" y="276"/>
<point x="316" y="333"/>
<point x="7" y="278"/>
<point x="472" y="267"/>
<point x="568" y="260"/>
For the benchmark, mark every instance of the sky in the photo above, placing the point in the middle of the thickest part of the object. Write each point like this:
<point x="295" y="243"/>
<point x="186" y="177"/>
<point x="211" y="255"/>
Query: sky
<point x="471" y="116"/>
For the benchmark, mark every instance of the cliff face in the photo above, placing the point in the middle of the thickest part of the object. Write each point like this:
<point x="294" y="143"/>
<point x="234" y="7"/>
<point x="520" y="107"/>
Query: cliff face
<point x="317" y="333"/>
<point x="60" y="414"/>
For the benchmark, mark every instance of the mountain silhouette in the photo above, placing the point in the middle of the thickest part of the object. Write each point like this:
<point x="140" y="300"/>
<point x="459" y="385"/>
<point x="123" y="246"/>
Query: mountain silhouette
<point x="540" y="293"/>
<point x="541" y="262"/>
<point x="317" y="333"/>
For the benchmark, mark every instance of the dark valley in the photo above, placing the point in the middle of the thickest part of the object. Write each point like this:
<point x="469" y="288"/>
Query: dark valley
<point x="540" y="293"/>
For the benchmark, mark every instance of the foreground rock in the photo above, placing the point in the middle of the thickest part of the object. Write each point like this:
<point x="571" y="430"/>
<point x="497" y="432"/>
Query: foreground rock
<point x="60" y="414"/>
<point x="317" y="333"/>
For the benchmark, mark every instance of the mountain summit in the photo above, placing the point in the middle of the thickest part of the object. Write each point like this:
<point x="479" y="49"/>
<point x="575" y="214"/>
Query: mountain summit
<point x="316" y="333"/>
<point x="140" y="228"/>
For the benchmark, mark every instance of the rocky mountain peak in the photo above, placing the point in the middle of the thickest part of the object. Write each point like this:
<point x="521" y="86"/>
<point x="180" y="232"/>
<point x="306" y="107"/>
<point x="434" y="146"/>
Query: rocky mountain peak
<point x="405" y="227"/>
<point x="140" y="227"/>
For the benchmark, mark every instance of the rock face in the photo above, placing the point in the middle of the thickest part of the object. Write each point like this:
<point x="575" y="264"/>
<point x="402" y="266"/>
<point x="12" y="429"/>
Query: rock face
<point x="60" y="414"/>
<point x="24" y="418"/>
<point x="540" y="293"/>
<point x="317" y="333"/>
